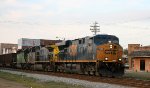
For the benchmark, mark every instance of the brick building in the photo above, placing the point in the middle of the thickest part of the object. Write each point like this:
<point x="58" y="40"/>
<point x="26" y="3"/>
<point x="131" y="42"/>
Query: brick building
<point x="139" y="57"/>
<point x="141" y="61"/>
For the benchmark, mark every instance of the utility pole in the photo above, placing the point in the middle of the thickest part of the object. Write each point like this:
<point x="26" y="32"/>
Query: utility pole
<point x="95" y="28"/>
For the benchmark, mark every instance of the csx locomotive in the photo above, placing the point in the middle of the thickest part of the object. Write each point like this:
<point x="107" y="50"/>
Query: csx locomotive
<point x="97" y="55"/>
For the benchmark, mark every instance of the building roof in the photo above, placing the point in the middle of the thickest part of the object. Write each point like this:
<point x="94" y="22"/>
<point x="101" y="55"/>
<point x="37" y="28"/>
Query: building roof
<point x="140" y="54"/>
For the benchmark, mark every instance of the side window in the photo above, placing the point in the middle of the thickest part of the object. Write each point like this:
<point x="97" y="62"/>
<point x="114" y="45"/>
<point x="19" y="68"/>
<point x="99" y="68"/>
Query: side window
<point x="80" y="41"/>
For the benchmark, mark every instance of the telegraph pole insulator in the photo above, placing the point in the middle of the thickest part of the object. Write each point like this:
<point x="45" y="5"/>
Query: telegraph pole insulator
<point x="95" y="28"/>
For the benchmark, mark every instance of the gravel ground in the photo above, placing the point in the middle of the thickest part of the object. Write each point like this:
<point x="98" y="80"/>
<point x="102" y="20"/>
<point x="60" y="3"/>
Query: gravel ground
<point x="46" y="78"/>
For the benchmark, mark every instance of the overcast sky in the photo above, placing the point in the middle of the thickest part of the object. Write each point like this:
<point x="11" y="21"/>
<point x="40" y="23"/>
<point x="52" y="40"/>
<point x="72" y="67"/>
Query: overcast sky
<point x="127" y="19"/>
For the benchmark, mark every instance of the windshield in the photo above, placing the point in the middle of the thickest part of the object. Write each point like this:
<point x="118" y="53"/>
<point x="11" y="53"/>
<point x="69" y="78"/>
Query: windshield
<point x="101" y="39"/>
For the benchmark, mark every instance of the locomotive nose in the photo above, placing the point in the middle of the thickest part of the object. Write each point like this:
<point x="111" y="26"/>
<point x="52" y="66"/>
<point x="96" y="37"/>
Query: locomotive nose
<point x="109" y="52"/>
<point x="109" y="55"/>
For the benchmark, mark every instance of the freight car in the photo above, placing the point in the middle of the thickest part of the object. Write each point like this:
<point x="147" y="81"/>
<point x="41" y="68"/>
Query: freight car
<point x="6" y="60"/>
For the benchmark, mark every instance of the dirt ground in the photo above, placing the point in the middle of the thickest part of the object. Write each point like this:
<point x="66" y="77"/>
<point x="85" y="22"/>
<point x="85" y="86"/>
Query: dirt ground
<point x="10" y="84"/>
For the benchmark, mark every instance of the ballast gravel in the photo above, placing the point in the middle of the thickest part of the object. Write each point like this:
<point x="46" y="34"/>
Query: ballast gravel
<point x="47" y="78"/>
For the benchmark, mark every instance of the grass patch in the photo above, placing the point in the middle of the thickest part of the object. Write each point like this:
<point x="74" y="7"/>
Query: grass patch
<point x="138" y="75"/>
<point x="31" y="82"/>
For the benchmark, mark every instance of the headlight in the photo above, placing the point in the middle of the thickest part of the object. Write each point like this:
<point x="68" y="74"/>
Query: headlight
<point x="106" y="58"/>
<point x="110" y="46"/>
<point x="119" y="59"/>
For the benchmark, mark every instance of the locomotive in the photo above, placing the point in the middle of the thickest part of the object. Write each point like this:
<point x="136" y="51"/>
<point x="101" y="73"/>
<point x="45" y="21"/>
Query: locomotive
<point x="97" y="55"/>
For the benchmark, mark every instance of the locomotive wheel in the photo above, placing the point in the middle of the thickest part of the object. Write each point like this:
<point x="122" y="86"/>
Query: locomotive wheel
<point x="89" y="73"/>
<point x="100" y="75"/>
<point x="94" y="73"/>
<point x="88" y="69"/>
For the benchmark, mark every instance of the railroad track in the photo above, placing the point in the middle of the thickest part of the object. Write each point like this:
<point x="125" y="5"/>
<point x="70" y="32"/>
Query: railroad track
<point x="130" y="82"/>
